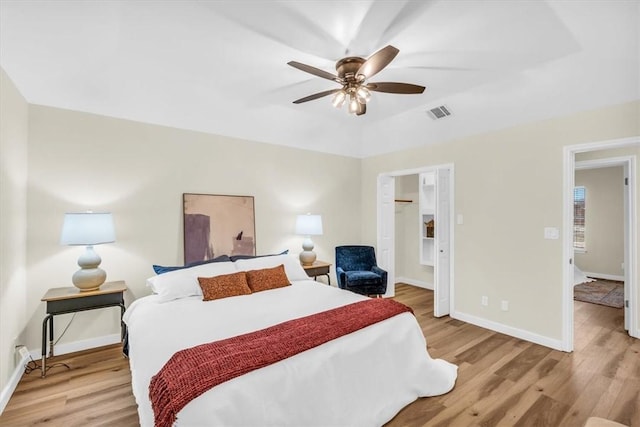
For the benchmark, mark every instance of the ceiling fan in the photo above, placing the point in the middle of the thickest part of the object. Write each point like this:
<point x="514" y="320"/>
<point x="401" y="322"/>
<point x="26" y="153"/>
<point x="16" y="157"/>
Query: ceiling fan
<point x="353" y="73"/>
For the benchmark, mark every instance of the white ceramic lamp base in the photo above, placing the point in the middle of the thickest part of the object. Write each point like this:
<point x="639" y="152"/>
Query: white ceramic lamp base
<point x="307" y="256"/>
<point x="89" y="277"/>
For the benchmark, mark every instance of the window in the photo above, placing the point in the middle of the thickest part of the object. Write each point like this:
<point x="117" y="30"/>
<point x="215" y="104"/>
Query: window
<point x="578" y="217"/>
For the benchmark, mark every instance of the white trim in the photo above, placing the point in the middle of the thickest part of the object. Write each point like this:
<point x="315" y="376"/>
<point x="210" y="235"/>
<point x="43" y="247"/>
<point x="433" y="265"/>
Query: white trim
<point x="72" y="347"/>
<point x="416" y="283"/>
<point x="603" y="145"/>
<point x="568" y="254"/>
<point x="452" y="236"/>
<point x="602" y="163"/>
<point x="631" y="267"/>
<point x="8" y="389"/>
<point x="604" y="276"/>
<point x="508" y="330"/>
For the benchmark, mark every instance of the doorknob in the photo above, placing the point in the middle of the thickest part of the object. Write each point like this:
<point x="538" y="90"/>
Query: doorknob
<point x="441" y="250"/>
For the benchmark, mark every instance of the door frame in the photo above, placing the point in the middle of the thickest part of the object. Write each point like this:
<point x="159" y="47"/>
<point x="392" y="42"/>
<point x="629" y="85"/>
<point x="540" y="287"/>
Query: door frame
<point x="631" y="245"/>
<point x="390" y="225"/>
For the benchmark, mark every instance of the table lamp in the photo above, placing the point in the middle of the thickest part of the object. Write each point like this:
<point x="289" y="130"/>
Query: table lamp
<point x="308" y="225"/>
<point x="88" y="229"/>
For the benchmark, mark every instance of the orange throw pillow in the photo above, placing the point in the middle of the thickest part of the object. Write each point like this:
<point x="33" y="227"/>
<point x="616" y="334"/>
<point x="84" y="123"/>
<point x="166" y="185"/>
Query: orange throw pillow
<point x="223" y="286"/>
<point x="267" y="278"/>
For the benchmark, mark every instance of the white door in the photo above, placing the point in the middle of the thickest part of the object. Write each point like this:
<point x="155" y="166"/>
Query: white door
<point x="442" y="265"/>
<point x="386" y="229"/>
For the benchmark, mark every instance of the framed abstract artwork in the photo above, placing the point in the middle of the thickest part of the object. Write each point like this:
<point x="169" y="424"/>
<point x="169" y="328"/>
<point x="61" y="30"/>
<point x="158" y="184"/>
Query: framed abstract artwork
<point x="216" y="225"/>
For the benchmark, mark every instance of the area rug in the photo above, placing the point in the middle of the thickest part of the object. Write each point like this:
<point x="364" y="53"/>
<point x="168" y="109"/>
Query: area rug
<point x="603" y="292"/>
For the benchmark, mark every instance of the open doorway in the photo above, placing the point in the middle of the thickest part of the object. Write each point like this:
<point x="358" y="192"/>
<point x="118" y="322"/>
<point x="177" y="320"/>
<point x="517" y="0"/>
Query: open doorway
<point x="591" y="156"/>
<point x="425" y="199"/>
<point x="600" y="219"/>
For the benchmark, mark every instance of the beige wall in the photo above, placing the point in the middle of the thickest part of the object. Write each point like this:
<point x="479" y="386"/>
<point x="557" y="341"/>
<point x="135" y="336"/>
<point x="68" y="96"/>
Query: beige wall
<point x="604" y="224"/>
<point x="13" y="225"/>
<point x="80" y="161"/>
<point x="138" y="171"/>
<point x="508" y="186"/>
<point x="408" y="233"/>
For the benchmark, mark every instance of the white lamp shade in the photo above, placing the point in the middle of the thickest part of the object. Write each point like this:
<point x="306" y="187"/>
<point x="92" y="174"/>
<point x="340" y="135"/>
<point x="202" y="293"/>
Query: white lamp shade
<point x="87" y="229"/>
<point x="309" y="225"/>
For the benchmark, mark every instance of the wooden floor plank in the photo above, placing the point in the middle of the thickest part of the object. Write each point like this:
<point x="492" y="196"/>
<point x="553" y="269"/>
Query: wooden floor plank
<point x="586" y="402"/>
<point x="626" y="406"/>
<point x="502" y="381"/>
<point x="545" y="411"/>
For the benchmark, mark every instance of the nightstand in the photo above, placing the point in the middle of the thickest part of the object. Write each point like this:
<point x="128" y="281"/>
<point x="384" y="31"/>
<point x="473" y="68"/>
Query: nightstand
<point x="318" y="268"/>
<point x="71" y="300"/>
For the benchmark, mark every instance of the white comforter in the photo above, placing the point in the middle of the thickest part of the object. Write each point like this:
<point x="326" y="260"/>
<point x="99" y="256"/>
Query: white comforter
<point x="362" y="379"/>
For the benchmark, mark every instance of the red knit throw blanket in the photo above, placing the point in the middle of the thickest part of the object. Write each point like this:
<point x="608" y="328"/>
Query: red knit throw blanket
<point x="191" y="372"/>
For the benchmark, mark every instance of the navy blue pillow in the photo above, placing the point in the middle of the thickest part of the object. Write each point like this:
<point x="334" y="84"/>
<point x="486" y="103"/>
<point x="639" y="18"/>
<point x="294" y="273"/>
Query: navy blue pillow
<point x="237" y="257"/>
<point x="159" y="269"/>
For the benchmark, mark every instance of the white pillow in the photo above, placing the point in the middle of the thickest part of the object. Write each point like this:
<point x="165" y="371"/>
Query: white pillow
<point x="184" y="282"/>
<point x="292" y="266"/>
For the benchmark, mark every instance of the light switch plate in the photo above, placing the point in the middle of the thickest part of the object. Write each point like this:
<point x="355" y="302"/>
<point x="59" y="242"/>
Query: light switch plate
<point x="551" y="233"/>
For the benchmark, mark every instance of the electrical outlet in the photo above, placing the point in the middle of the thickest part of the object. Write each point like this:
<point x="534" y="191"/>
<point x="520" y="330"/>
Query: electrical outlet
<point x="484" y="301"/>
<point x="504" y="305"/>
<point x="21" y="354"/>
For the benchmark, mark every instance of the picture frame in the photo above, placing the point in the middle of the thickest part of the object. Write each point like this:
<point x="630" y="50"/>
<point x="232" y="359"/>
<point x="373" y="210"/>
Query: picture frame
<point x="216" y="225"/>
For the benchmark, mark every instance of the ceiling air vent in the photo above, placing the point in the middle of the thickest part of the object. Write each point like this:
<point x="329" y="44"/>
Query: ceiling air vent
<point x="439" y="112"/>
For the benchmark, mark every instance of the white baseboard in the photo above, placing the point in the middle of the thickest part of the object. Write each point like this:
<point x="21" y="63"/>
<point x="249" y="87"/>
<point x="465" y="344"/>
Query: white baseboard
<point x="72" y="347"/>
<point x="8" y="390"/>
<point x="604" y="276"/>
<point x="413" y="282"/>
<point x="509" y="330"/>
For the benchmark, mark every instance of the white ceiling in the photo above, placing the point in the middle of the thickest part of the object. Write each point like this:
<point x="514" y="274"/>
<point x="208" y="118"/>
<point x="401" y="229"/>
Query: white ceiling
<point x="221" y="66"/>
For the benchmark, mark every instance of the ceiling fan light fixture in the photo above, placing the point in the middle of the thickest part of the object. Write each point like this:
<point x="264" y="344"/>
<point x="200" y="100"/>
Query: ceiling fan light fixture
<point x="363" y="95"/>
<point x="354" y="105"/>
<point x="352" y="74"/>
<point x="339" y="98"/>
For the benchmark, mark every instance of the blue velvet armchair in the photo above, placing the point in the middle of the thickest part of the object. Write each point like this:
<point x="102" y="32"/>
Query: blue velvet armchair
<point x="357" y="270"/>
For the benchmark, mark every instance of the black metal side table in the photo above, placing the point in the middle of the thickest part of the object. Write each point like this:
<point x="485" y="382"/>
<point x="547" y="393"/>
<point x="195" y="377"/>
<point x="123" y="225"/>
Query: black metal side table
<point x="318" y="268"/>
<point x="71" y="300"/>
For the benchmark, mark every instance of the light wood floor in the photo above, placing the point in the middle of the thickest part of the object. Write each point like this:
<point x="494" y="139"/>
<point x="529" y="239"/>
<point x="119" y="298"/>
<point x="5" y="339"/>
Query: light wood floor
<point x="502" y="381"/>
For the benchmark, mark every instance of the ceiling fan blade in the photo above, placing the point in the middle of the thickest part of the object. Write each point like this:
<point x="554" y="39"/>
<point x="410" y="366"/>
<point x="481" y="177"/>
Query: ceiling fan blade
<point x="310" y="36"/>
<point x="376" y="62"/>
<point x="315" y="71"/>
<point x="362" y="109"/>
<point x="316" y="96"/>
<point x="383" y="21"/>
<point x="391" y="87"/>
<point x="436" y="68"/>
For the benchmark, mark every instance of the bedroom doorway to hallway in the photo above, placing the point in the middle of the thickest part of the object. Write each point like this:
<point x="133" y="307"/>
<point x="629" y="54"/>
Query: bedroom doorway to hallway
<point x="600" y="231"/>
<point x="601" y="154"/>
<point x="430" y="233"/>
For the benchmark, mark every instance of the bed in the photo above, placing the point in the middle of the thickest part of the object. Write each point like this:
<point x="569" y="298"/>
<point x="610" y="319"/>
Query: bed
<point x="360" y="379"/>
